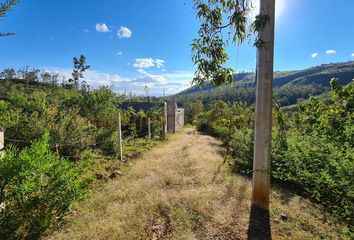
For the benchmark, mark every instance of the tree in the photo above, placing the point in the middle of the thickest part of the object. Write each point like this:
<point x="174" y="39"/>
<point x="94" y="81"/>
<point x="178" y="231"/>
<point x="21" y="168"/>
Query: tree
<point x="220" y="17"/>
<point x="4" y="8"/>
<point x="79" y="68"/>
<point x="146" y="89"/>
<point x="8" y="73"/>
<point x="45" y="76"/>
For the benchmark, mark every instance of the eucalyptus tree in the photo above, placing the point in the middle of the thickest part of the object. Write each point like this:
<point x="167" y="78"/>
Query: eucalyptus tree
<point x="226" y="22"/>
<point x="5" y="7"/>
<point x="79" y="68"/>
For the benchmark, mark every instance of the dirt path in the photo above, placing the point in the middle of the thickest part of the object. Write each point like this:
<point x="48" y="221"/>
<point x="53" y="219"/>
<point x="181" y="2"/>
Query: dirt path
<point x="182" y="190"/>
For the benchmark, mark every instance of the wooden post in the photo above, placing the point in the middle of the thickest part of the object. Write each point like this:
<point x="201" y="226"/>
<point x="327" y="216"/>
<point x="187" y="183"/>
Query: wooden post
<point x="263" y="112"/>
<point x="120" y="150"/>
<point x="165" y="117"/>
<point x="57" y="148"/>
<point x="141" y="124"/>
<point x="164" y="121"/>
<point x="149" y="128"/>
<point x="2" y="139"/>
<point x="163" y="133"/>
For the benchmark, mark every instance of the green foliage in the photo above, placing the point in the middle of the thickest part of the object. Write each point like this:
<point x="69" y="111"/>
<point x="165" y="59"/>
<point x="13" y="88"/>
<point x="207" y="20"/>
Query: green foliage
<point x="259" y="24"/>
<point x="77" y="120"/>
<point x="241" y="145"/>
<point x="37" y="187"/>
<point x="320" y="167"/>
<point x="5" y="8"/>
<point x="218" y="16"/>
<point x="192" y="110"/>
<point x="79" y="68"/>
<point x="209" y="48"/>
<point x="39" y="179"/>
<point x="312" y="148"/>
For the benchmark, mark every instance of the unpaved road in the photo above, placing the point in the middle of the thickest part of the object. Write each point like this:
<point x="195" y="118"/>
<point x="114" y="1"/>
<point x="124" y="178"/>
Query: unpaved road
<point x="181" y="190"/>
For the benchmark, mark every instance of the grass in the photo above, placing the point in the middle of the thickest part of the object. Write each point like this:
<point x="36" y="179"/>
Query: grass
<point x="180" y="189"/>
<point x="104" y="166"/>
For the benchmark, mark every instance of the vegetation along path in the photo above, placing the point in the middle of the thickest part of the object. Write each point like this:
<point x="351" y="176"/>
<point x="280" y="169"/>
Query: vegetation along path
<point x="182" y="190"/>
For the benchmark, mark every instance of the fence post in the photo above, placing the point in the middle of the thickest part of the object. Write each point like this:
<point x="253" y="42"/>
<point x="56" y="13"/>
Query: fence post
<point x="141" y="124"/>
<point x="2" y="139"/>
<point x="149" y="128"/>
<point x="120" y="155"/>
<point x="164" y="122"/>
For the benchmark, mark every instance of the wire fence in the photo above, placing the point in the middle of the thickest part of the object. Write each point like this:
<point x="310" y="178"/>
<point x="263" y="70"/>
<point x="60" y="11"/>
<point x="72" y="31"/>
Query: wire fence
<point x="137" y="128"/>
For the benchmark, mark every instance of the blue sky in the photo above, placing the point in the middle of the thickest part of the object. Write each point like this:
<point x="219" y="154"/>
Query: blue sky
<point x="130" y="44"/>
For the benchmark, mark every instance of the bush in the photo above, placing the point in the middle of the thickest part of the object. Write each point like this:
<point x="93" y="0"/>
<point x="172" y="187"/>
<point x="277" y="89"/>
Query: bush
<point x="324" y="171"/>
<point x="312" y="148"/>
<point x="107" y="141"/>
<point x="37" y="187"/>
<point x="75" y="134"/>
<point x="241" y="146"/>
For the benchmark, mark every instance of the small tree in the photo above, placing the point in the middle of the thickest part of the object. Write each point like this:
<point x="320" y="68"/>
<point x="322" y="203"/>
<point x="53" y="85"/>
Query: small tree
<point x="4" y="8"/>
<point x="79" y="68"/>
<point x="146" y="89"/>
<point x="8" y="74"/>
<point x="45" y="76"/>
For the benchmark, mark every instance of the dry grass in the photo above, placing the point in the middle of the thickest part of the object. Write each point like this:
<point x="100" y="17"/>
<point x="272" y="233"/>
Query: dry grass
<point x="182" y="190"/>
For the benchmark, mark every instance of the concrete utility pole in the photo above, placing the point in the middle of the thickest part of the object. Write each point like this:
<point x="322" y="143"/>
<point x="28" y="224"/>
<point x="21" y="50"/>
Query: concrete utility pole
<point x="263" y="121"/>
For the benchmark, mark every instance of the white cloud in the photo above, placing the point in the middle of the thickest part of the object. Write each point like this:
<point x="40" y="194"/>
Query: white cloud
<point x="124" y="32"/>
<point x="119" y="53"/>
<point x="92" y="77"/>
<point x="352" y="55"/>
<point x="144" y="63"/>
<point x="171" y="82"/>
<point x="142" y="71"/>
<point x="314" y="55"/>
<point x="159" y="63"/>
<point x="148" y="62"/>
<point x="331" y="52"/>
<point x="102" y="27"/>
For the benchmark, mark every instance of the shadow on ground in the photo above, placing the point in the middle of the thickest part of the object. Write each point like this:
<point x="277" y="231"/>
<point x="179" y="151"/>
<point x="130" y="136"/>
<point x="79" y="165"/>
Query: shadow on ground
<point x="259" y="225"/>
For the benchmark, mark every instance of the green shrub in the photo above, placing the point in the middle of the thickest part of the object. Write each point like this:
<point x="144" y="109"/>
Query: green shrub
<point x="241" y="147"/>
<point x="312" y="148"/>
<point x="37" y="188"/>
<point x="107" y="141"/>
<point x="321" y="169"/>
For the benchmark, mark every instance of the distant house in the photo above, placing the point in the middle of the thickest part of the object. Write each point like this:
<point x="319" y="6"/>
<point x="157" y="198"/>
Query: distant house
<point x="175" y="115"/>
<point x="141" y="106"/>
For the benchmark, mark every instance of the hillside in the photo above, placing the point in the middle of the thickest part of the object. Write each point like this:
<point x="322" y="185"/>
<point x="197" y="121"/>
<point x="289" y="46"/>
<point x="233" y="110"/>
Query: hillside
<point x="289" y="86"/>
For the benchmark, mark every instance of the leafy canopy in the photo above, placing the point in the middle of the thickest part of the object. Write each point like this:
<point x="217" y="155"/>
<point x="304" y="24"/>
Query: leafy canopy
<point x="220" y="17"/>
<point x="4" y="8"/>
<point x="79" y="68"/>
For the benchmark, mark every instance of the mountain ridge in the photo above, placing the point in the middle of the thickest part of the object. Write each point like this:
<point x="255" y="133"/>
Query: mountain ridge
<point x="294" y="84"/>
